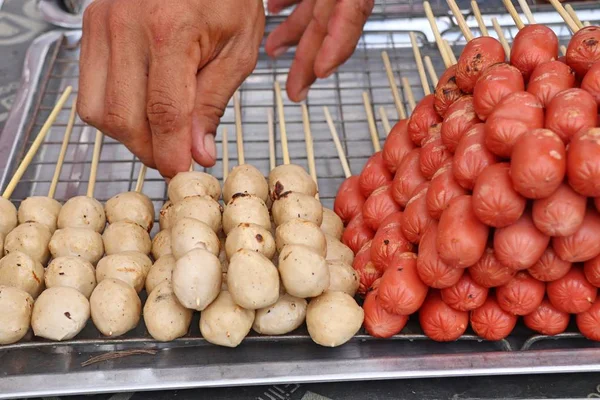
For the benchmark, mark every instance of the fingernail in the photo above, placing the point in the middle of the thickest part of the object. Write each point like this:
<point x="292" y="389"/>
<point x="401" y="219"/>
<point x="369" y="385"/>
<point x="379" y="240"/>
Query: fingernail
<point x="303" y="93"/>
<point x="329" y="73"/>
<point x="210" y="146"/>
<point x="279" y="51"/>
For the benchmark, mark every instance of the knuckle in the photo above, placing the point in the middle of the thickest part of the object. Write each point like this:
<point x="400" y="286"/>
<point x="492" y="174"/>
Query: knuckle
<point x="163" y="111"/>
<point x="93" y="13"/>
<point x="247" y="62"/>
<point x="365" y="8"/>
<point x="118" y="17"/>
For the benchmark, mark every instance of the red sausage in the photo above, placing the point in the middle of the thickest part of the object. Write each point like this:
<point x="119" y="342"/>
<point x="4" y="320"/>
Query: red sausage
<point x="378" y="322"/>
<point x="446" y="91"/>
<point x="489" y="272"/>
<point x="431" y="269"/>
<point x="374" y="175"/>
<point x="549" y="79"/>
<point x="495" y="202"/>
<point x="572" y="293"/>
<point x="465" y="295"/>
<point x="401" y="290"/>
<point x="458" y="120"/>
<point x="461" y="237"/>
<point x="515" y="115"/>
<point x="588" y="322"/>
<point x="378" y="206"/>
<point x="389" y="240"/>
<point x="591" y="269"/>
<point x="364" y="267"/>
<point x="471" y="157"/>
<point x="416" y="218"/>
<point x="520" y="245"/>
<point x="571" y="111"/>
<point x="534" y="45"/>
<point x="584" y="49"/>
<point x="561" y="213"/>
<point x="442" y="189"/>
<point x="433" y="154"/>
<point x="349" y="199"/>
<point x="584" y="244"/>
<point x="476" y="56"/>
<point x="491" y="322"/>
<point x="423" y="116"/>
<point x="583" y="162"/>
<point x="521" y="295"/>
<point x="549" y="267"/>
<point x="547" y="320"/>
<point x="591" y="82"/>
<point x="597" y="203"/>
<point x="397" y="146"/>
<point x="407" y="178"/>
<point x="496" y="82"/>
<point x="441" y="322"/>
<point x="538" y="164"/>
<point x="357" y="233"/>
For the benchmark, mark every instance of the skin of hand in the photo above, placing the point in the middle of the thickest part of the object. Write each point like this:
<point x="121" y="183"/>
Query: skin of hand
<point x="157" y="75"/>
<point x="326" y="33"/>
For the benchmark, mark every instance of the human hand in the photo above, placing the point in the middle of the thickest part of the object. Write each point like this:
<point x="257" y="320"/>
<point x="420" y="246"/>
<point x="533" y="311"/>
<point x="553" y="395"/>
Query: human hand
<point x="326" y="32"/>
<point x="157" y="74"/>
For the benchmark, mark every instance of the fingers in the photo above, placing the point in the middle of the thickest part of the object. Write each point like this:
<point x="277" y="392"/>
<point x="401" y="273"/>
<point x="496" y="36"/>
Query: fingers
<point x="276" y="6"/>
<point x="93" y="64"/>
<point x="289" y="32"/>
<point x="343" y="33"/>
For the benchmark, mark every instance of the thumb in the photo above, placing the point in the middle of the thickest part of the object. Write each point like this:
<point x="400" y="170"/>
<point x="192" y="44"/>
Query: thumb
<point x="216" y="84"/>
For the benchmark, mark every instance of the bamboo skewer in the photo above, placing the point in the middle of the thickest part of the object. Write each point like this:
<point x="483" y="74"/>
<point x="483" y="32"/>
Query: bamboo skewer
<point x="95" y="161"/>
<point x="563" y="50"/>
<point x="527" y="11"/>
<point x="271" y="129"/>
<point x="225" y="145"/>
<point x="450" y="52"/>
<point x="310" y="153"/>
<point x="191" y="166"/>
<point x="393" y="86"/>
<point x="280" y="114"/>
<point x="338" y="144"/>
<point x="409" y="94"/>
<point x="36" y="143"/>
<point x="431" y="70"/>
<point x="513" y="13"/>
<point x="460" y="20"/>
<point x="385" y="121"/>
<point x="371" y="121"/>
<point x="564" y="15"/>
<point x="238" y="128"/>
<point x="574" y="16"/>
<point x="419" y="61"/>
<point x="501" y="37"/>
<point x="139" y="185"/>
<point x="63" y="149"/>
<point x="436" y="34"/>
<point x="479" y="18"/>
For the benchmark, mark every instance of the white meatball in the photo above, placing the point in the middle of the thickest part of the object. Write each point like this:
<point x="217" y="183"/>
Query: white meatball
<point x="124" y="267"/>
<point x="60" y="313"/>
<point x="193" y="183"/>
<point x="31" y="238"/>
<point x="223" y="256"/>
<point x="332" y="224"/>
<point x="16" y="306"/>
<point x="165" y="216"/>
<point x="251" y="237"/>
<point x="224" y="323"/>
<point x="161" y="271"/>
<point x="71" y="272"/>
<point x="202" y="208"/>
<point x="197" y="279"/>
<point x="294" y="205"/>
<point x="115" y="307"/>
<point x="42" y="209"/>
<point x="333" y="318"/>
<point x="252" y="280"/>
<point x="287" y="314"/>
<point x="1" y="243"/>
<point x="245" y="208"/>
<point x="161" y="244"/>
<point x="290" y="178"/>
<point x="131" y="206"/>
<point x="304" y="273"/>
<point x="337" y="250"/>
<point x="189" y="233"/>
<point x="77" y="242"/>
<point x="141" y="259"/>
<point x="165" y="317"/>
<point x="342" y="278"/>
<point x="126" y="236"/>
<point x="21" y="271"/>
<point x="82" y="212"/>
<point x="8" y="216"/>
<point x="306" y="233"/>
<point x="247" y="179"/>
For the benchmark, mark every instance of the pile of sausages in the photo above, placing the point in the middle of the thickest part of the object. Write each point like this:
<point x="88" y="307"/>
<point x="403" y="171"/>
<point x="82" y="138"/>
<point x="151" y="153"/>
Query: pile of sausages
<point x="484" y="205"/>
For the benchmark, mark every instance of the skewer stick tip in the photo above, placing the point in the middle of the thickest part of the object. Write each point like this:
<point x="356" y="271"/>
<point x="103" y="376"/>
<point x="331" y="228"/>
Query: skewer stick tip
<point x="338" y="144"/>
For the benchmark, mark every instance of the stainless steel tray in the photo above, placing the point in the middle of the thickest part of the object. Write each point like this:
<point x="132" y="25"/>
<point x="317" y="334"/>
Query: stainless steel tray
<point x="35" y="367"/>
